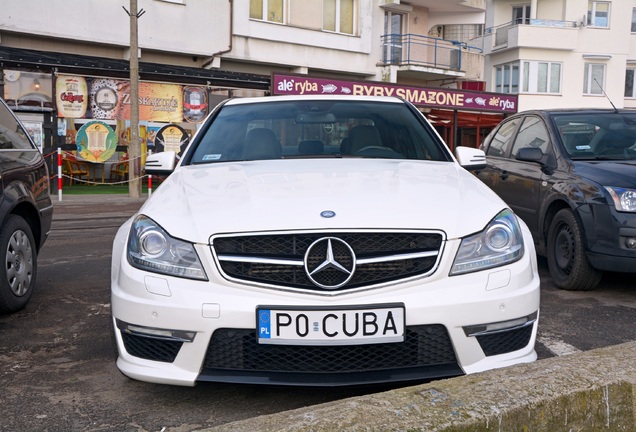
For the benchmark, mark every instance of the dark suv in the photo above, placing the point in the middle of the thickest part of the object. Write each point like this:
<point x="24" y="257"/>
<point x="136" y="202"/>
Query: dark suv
<point x="25" y="211"/>
<point x="571" y="176"/>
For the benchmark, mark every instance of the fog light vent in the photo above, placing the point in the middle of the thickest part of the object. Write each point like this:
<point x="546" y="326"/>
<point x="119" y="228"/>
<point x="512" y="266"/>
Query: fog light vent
<point x="505" y="342"/>
<point x="630" y="242"/>
<point x="150" y="348"/>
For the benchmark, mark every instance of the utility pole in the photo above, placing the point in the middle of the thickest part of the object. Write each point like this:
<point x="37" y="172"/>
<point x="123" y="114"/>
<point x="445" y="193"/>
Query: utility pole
<point x="134" y="146"/>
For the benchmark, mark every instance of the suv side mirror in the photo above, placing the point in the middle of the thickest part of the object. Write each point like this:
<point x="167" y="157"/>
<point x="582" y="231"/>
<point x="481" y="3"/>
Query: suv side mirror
<point x="162" y="164"/>
<point x="530" y="154"/>
<point x="471" y="158"/>
<point x="533" y="154"/>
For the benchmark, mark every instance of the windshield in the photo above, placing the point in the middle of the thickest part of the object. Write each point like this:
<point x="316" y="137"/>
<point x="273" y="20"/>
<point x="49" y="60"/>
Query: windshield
<point x="316" y="129"/>
<point x="598" y="135"/>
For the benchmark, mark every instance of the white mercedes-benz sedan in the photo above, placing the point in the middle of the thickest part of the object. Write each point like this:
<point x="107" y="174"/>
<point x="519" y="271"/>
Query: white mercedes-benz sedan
<point x="321" y="241"/>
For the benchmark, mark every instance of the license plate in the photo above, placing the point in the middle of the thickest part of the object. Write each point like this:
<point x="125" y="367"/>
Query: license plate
<point x="355" y="325"/>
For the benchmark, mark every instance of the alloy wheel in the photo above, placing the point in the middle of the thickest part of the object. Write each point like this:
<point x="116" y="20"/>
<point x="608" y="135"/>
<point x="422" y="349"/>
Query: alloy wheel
<point x="19" y="263"/>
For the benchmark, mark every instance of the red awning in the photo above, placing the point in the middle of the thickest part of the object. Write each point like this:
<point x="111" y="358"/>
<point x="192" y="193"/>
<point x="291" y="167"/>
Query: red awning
<point x="464" y="119"/>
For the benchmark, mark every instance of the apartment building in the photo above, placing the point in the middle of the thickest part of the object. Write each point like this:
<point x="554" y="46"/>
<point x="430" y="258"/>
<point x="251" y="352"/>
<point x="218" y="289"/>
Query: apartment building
<point x="561" y="53"/>
<point x="66" y="63"/>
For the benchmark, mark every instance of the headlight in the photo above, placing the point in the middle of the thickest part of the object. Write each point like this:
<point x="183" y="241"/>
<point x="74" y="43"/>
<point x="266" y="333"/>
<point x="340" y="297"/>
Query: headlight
<point x="500" y="243"/>
<point x="624" y="199"/>
<point x="151" y="248"/>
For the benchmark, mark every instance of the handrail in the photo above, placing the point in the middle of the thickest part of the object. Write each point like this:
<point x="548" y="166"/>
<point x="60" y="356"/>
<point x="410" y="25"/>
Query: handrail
<point x="415" y="49"/>
<point x="501" y="31"/>
<point x="535" y="22"/>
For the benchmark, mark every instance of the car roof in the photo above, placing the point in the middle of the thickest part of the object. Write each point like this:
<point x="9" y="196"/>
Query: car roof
<point x="269" y="99"/>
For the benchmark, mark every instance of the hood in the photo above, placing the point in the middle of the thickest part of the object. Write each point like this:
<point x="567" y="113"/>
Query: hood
<point x="198" y="201"/>
<point x="608" y="173"/>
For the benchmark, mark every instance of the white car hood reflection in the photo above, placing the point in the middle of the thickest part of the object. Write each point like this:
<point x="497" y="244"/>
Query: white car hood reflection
<point x="196" y="202"/>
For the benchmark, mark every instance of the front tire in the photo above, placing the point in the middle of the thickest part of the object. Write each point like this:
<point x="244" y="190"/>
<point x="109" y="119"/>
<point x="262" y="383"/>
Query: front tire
<point x="567" y="261"/>
<point x="19" y="258"/>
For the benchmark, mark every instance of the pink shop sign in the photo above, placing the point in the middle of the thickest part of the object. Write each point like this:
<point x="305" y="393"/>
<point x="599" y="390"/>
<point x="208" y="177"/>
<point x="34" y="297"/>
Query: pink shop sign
<point x="420" y="96"/>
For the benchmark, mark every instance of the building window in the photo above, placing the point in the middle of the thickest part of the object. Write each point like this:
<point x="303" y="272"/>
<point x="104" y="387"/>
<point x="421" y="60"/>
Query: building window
<point x="630" y="87"/>
<point x="338" y="16"/>
<point x="267" y="10"/>
<point x="593" y="79"/>
<point x="634" y="20"/>
<point x="507" y="78"/>
<point x="393" y="34"/>
<point x="521" y="14"/>
<point x="541" y="77"/>
<point x="598" y="14"/>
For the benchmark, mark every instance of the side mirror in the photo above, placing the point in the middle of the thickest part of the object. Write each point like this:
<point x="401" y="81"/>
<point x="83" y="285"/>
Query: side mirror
<point x="533" y="154"/>
<point x="162" y="164"/>
<point x="471" y="158"/>
<point x="530" y="154"/>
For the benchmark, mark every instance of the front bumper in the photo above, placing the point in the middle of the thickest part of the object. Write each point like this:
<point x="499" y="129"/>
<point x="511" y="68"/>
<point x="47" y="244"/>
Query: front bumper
<point x="185" y="331"/>
<point x="606" y="234"/>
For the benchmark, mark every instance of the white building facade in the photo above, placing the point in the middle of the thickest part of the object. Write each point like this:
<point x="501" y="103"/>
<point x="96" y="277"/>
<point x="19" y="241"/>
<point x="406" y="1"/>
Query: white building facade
<point x="562" y="53"/>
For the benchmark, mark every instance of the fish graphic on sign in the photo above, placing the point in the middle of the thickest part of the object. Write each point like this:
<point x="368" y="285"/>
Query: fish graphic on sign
<point x="345" y="90"/>
<point x="480" y="101"/>
<point x="329" y="88"/>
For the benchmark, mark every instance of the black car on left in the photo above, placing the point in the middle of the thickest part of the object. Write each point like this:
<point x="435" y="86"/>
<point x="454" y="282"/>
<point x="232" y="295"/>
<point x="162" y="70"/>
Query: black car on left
<point x="25" y="211"/>
<point x="570" y="174"/>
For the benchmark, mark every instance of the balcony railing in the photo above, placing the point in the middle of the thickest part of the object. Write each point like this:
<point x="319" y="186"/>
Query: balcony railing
<point x="425" y="51"/>
<point x="501" y="31"/>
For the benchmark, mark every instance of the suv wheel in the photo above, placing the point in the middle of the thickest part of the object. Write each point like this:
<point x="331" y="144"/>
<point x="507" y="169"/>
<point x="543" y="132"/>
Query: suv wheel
<point x="567" y="262"/>
<point x="17" y="252"/>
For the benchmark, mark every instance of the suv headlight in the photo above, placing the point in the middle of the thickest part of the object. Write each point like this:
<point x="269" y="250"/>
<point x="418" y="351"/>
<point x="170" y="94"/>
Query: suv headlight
<point x="500" y="243"/>
<point x="624" y="199"/>
<point x="150" y="248"/>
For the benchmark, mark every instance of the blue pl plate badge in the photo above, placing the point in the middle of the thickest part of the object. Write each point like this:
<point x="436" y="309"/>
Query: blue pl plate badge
<point x="264" y="324"/>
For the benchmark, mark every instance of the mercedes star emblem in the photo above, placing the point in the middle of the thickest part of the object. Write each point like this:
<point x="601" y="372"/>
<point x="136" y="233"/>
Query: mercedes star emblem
<point x="330" y="262"/>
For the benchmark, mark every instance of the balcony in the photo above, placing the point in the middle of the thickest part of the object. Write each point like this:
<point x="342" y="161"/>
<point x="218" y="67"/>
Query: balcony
<point x="412" y="52"/>
<point x="534" y="33"/>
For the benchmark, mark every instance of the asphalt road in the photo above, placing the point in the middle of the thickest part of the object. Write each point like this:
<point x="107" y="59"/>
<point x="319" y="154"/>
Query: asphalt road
<point x="57" y="370"/>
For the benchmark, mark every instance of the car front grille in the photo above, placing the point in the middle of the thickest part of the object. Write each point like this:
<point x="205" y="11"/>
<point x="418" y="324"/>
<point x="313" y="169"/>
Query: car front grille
<point x="282" y="259"/>
<point x="238" y="349"/>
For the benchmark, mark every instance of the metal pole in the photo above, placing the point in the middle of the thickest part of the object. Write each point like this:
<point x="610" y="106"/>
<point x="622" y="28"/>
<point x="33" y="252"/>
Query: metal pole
<point x="134" y="146"/>
<point x="455" y="130"/>
<point x="60" y="181"/>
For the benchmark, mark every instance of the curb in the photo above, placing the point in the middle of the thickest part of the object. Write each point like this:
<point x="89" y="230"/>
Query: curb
<point x="589" y="391"/>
